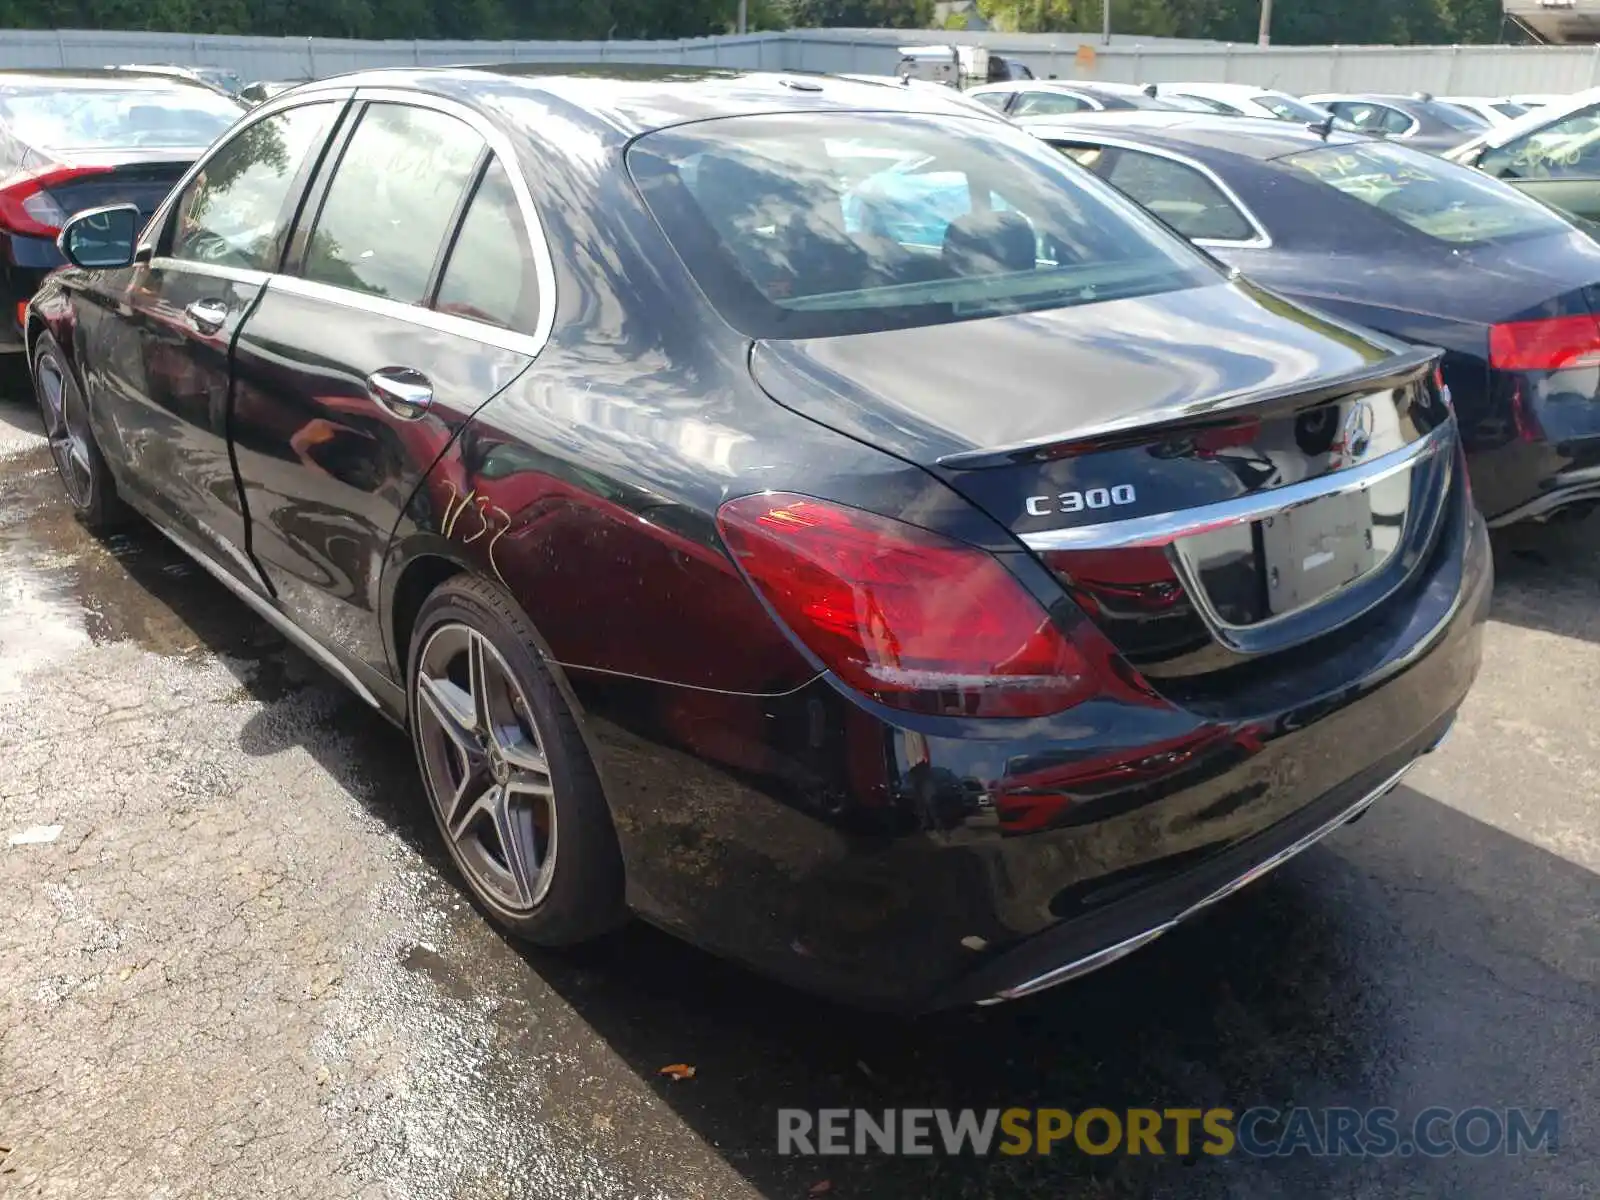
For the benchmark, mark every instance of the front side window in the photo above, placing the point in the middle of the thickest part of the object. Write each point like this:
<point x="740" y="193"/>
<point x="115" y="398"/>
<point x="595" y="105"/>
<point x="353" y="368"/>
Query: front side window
<point x="1181" y="196"/>
<point x="1453" y="204"/>
<point x="1564" y="149"/>
<point x="807" y="226"/>
<point x="68" y="117"/>
<point x="994" y="100"/>
<point x="1044" y="104"/>
<point x="234" y="212"/>
<point x="391" y="202"/>
<point x="489" y="275"/>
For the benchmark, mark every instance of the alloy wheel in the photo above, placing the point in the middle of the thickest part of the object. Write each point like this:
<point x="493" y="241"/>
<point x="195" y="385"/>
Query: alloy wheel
<point x="66" y="428"/>
<point x="487" y="774"/>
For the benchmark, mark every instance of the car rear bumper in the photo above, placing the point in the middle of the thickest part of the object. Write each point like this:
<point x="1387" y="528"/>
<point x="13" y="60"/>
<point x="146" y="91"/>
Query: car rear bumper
<point x="858" y="855"/>
<point x="1078" y="949"/>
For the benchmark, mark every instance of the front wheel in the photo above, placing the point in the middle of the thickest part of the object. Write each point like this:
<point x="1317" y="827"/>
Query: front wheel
<point x="84" y="474"/>
<point x="512" y="788"/>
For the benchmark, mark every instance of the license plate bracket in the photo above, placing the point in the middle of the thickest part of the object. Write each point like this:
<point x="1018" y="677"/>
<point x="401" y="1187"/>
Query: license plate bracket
<point x="1312" y="551"/>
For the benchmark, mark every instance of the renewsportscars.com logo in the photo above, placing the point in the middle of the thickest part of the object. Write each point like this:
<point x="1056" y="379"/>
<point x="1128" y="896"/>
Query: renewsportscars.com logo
<point x="1256" y="1132"/>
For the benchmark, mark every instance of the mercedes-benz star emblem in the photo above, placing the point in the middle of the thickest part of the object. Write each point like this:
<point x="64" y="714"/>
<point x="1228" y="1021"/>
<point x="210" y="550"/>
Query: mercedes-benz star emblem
<point x="1358" y="427"/>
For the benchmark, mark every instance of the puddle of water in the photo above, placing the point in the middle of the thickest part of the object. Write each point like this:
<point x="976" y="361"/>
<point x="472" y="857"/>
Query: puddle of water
<point x="62" y="588"/>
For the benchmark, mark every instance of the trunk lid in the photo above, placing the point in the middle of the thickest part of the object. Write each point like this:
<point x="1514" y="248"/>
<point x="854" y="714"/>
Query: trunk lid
<point x="1214" y="474"/>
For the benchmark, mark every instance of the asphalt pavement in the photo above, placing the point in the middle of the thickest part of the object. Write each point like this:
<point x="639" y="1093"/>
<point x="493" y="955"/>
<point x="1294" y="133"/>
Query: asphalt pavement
<point x="242" y="967"/>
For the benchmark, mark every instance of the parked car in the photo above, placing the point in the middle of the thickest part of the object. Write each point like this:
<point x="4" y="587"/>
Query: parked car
<point x="1418" y="120"/>
<point x="218" y="78"/>
<point x="1552" y="154"/>
<point x="1245" y="100"/>
<point x="71" y="140"/>
<point x="924" y="623"/>
<point x="1491" y="111"/>
<point x="1049" y="97"/>
<point x="1399" y="241"/>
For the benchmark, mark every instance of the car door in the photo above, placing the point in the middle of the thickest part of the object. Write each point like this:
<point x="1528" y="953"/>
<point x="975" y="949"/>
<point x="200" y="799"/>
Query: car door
<point x="1558" y="164"/>
<point x="410" y="298"/>
<point x="160" y="393"/>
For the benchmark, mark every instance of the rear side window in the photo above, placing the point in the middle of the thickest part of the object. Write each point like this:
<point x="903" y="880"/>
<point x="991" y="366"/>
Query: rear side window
<point x="994" y="100"/>
<point x="489" y="275"/>
<point x="1457" y="118"/>
<point x="1453" y="204"/>
<point x="1044" y="104"/>
<point x="808" y="226"/>
<point x="1288" y="108"/>
<point x="1209" y="103"/>
<point x="234" y="212"/>
<point x="393" y="197"/>
<point x="1181" y="196"/>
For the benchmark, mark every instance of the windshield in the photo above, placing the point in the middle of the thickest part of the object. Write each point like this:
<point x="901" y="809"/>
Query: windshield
<point x="67" y="118"/>
<point x="1456" y="118"/>
<point x="1453" y="204"/>
<point x="808" y="226"/>
<point x="1288" y="108"/>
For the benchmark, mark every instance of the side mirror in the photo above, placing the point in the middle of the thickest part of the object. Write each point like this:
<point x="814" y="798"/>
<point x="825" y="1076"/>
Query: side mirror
<point x="101" y="238"/>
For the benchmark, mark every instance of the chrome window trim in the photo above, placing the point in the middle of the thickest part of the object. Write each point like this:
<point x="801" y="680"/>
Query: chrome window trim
<point x="497" y="141"/>
<point x="416" y="314"/>
<point x="243" y="275"/>
<point x="1161" y="529"/>
<point x="1262" y="239"/>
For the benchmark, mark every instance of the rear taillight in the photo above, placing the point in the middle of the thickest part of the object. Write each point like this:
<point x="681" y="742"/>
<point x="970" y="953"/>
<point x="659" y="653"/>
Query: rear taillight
<point x="913" y="619"/>
<point x="1552" y="344"/>
<point x="26" y="205"/>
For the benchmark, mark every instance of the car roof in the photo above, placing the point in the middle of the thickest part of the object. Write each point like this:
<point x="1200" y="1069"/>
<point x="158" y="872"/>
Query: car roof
<point x="1261" y="138"/>
<point x="635" y="99"/>
<point x="1245" y="90"/>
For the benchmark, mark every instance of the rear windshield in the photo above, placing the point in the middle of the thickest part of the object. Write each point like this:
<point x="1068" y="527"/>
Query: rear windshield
<point x="809" y="226"/>
<point x="68" y="118"/>
<point x="1287" y="108"/>
<point x="1450" y="203"/>
<point x="1507" y="109"/>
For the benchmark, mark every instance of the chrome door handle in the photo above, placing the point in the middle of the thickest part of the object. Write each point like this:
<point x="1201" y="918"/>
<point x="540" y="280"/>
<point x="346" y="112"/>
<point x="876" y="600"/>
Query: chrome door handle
<point x="207" y="316"/>
<point x="405" y="392"/>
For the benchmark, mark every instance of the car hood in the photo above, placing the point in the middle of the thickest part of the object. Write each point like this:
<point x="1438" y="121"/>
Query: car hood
<point x="937" y="391"/>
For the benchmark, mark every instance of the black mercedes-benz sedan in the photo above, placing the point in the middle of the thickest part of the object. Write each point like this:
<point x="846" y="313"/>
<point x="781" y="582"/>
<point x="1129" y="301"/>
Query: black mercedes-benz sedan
<point x="1402" y="242"/>
<point x="72" y="140"/>
<point x="923" y="603"/>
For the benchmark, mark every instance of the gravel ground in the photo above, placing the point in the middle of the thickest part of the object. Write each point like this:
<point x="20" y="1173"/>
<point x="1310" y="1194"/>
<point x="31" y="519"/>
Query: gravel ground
<point x="242" y="967"/>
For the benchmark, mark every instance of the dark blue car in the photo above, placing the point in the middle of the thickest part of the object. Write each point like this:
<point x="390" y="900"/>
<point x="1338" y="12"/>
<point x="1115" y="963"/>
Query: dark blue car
<point x="1405" y="243"/>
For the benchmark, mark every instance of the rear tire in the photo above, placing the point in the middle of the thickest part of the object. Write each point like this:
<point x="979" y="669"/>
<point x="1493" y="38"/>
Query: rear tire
<point x="87" y="480"/>
<point x="509" y="779"/>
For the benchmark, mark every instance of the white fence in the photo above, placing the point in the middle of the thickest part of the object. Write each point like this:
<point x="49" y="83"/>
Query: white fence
<point x="1465" y="70"/>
